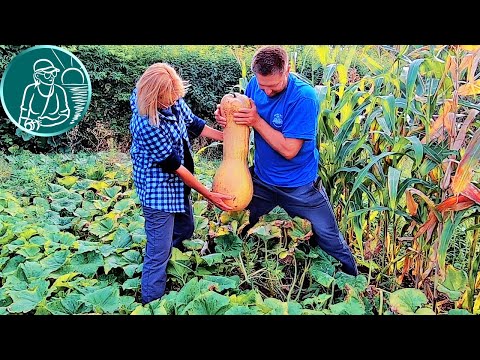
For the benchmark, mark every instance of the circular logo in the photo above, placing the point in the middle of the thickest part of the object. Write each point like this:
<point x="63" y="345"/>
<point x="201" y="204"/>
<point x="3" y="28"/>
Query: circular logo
<point x="45" y="90"/>
<point x="277" y="120"/>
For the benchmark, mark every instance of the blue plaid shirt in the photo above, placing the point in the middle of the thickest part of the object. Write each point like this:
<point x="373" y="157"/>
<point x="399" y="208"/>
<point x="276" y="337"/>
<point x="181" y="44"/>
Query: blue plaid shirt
<point x="150" y="145"/>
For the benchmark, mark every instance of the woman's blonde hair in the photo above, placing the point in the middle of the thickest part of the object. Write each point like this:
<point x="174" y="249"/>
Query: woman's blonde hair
<point x="158" y="88"/>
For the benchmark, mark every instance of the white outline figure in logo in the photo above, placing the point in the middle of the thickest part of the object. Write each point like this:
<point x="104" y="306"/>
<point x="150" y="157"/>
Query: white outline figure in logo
<point x="44" y="103"/>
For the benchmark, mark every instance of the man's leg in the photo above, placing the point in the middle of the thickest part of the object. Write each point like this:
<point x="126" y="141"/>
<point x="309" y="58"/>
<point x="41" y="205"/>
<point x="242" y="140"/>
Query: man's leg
<point x="312" y="204"/>
<point x="159" y="230"/>
<point x="263" y="201"/>
<point x="184" y="226"/>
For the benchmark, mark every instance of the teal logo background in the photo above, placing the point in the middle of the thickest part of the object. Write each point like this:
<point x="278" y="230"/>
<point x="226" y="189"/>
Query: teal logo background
<point x="45" y="90"/>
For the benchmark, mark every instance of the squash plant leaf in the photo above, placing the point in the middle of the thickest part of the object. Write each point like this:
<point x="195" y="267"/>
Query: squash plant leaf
<point x="131" y="284"/>
<point x="186" y="294"/>
<point x="63" y="238"/>
<point x="111" y="192"/>
<point x="113" y="261"/>
<point x="28" y="299"/>
<point x="243" y="310"/>
<point x="455" y="283"/>
<point x="124" y="205"/>
<point x="67" y="181"/>
<point x="55" y="260"/>
<point x="458" y="312"/>
<point x="33" y="270"/>
<point x="66" y="169"/>
<point x="229" y="244"/>
<point x="277" y="307"/>
<point x="86" y="264"/>
<point x="209" y="303"/>
<point x="215" y="258"/>
<point x="121" y="238"/>
<point x="102" y="227"/>
<point x="407" y="301"/>
<point x="224" y="282"/>
<point x="12" y="265"/>
<point x="105" y="300"/>
<point x="68" y="203"/>
<point x="359" y="283"/>
<point x="352" y="306"/>
<point x="84" y="246"/>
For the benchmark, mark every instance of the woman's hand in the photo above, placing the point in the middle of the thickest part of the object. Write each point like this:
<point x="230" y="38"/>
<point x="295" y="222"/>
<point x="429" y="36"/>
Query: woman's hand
<point x="221" y="120"/>
<point x="218" y="200"/>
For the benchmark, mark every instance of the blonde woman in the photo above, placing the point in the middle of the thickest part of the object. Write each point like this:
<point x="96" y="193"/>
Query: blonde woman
<point x="162" y="125"/>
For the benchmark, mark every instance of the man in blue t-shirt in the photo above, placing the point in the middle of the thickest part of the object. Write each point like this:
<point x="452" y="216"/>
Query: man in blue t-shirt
<point x="284" y="118"/>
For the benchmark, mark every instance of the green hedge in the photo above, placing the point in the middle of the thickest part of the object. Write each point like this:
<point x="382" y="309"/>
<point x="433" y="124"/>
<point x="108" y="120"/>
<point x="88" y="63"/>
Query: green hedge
<point x="211" y="71"/>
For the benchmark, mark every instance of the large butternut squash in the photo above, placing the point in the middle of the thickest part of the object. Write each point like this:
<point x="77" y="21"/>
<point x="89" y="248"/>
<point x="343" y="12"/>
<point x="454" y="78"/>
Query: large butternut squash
<point x="233" y="176"/>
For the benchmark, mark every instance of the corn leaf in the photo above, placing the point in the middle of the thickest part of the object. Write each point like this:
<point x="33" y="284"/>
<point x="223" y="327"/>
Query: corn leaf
<point x="464" y="173"/>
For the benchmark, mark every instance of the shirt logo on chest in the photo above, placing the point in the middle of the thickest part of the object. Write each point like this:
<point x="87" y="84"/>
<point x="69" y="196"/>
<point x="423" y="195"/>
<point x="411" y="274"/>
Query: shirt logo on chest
<point x="277" y="120"/>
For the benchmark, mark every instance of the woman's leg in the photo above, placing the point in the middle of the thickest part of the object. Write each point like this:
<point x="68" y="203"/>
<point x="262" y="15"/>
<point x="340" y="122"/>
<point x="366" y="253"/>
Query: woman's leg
<point x="159" y="231"/>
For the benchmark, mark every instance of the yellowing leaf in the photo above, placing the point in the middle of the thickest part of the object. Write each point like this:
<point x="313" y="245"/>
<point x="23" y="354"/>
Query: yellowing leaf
<point x="464" y="173"/>
<point x="476" y="306"/>
<point x="470" y="47"/>
<point x="63" y="280"/>
<point x="99" y="185"/>
<point x="67" y="181"/>
<point x="470" y="88"/>
<point x="412" y="206"/>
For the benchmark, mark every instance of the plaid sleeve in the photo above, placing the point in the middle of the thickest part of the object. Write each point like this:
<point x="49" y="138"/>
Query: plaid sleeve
<point x="158" y="142"/>
<point x="194" y="124"/>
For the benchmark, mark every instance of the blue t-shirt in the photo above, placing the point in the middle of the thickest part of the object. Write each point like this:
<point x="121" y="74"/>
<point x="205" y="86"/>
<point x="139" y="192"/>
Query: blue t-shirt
<point x="294" y="112"/>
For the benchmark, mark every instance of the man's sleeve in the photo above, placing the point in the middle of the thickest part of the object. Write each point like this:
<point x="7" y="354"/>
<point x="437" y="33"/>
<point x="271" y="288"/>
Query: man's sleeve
<point x="301" y="120"/>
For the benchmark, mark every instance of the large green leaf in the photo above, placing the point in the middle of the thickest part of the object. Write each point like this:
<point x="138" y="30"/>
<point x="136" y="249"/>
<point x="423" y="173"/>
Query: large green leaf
<point x="124" y="205"/>
<point x="318" y="274"/>
<point x="66" y="169"/>
<point x="12" y="265"/>
<point x="121" y="238"/>
<point x="131" y="284"/>
<point x="243" y="310"/>
<point x="352" y="306"/>
<point x="102" y="227"/>
<point x="27" y="300"/>
<point x="215" y="258"/>
<point x="454" y="284"/>
<point x="86" y="246"/>
<point x="229" y="245"/>
<point x="407" y="301"/>
<point x="105" y="300"/>
<point x="33" y="270"/>
<point x="113" y="191"/>
<point x="209" y="303"/>
<point x="71" y="304"/>
<point x="70" y="202"/>
<point x="86" y="264"/>
<point x="277" y="307"/>
<point x="224" y="282"/>
<point x="64" y="238"/>
<point x="55" y="260"/>
<point x="359" y="283"/>
<point x="114" y="261"/>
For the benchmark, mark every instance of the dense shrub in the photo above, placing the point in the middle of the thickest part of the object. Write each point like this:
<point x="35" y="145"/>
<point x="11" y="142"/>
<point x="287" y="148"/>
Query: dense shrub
<point x="211" y="71"/>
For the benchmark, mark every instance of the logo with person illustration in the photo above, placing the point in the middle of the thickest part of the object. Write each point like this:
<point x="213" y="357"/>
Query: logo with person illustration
<point x="45" y="90"/>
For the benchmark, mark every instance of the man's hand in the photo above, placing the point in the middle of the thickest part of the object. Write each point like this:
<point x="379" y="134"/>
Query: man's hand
<point x="247" y="116"/>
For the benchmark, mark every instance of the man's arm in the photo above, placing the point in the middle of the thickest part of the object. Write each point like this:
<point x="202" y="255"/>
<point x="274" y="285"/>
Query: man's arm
<point x="287" y="147"/>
